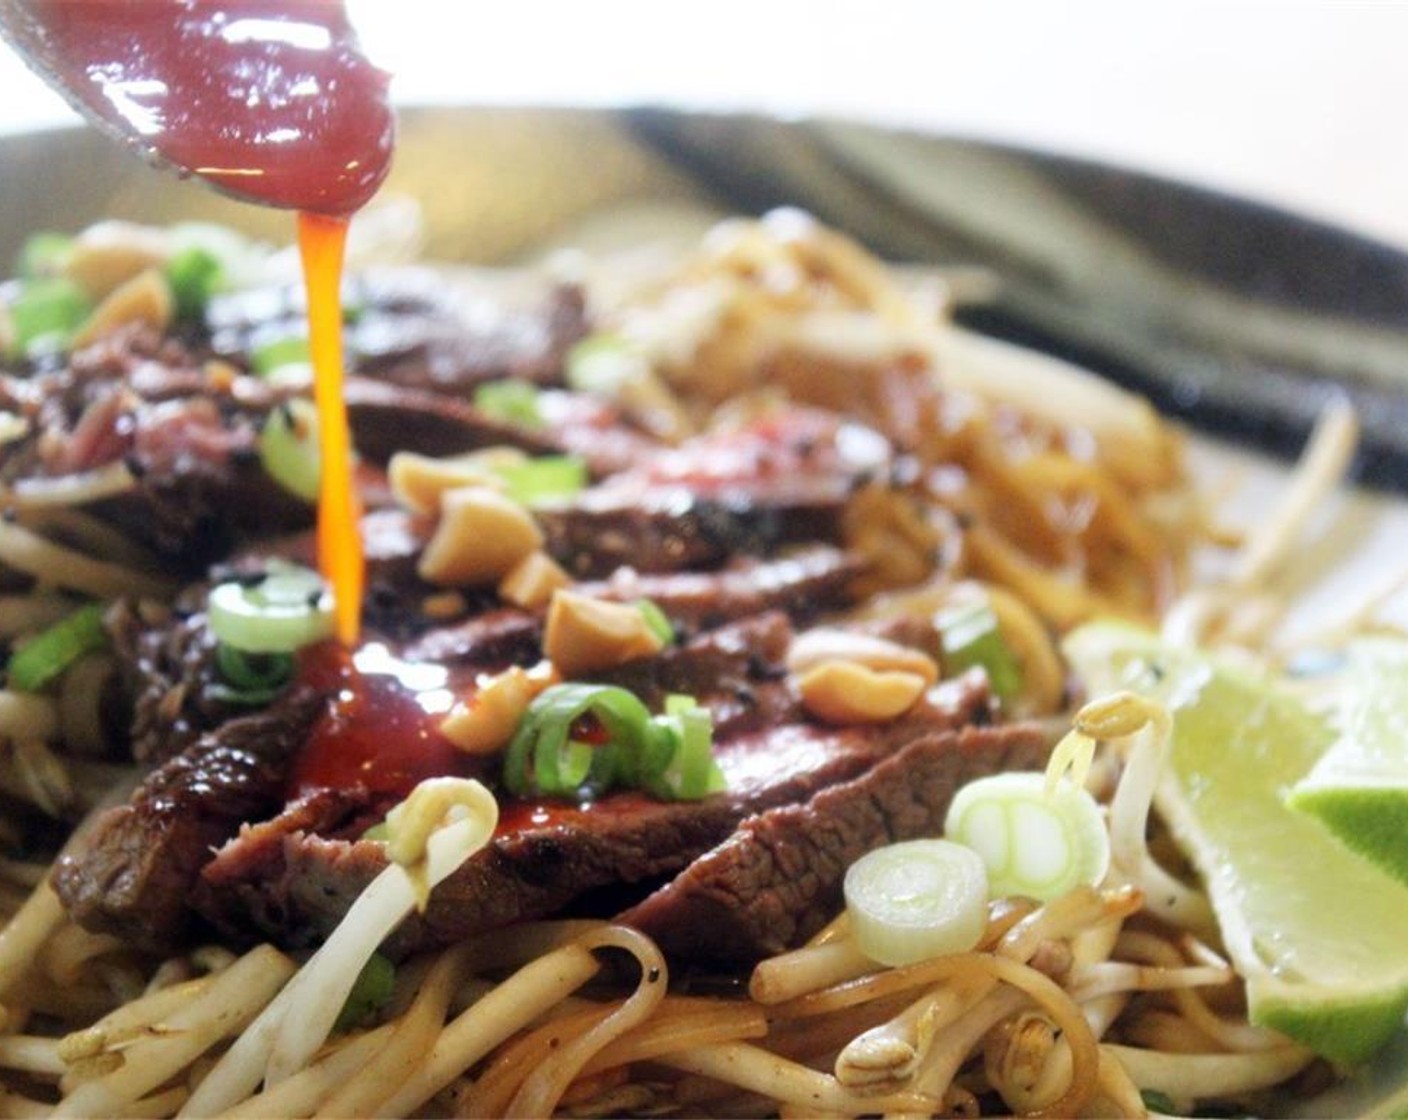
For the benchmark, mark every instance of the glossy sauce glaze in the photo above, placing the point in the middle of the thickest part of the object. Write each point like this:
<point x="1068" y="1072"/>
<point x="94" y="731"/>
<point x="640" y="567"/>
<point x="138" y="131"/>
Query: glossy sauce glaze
<point x="380" y="728"/>
<point x="271" y="100"/>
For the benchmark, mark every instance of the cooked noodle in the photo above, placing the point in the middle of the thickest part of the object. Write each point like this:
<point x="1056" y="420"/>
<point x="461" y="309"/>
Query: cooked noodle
<point x="53" y="565"/>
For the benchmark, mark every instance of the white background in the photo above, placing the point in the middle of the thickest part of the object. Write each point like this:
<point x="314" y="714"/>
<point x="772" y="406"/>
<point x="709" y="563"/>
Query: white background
<point x="1301" y="104"/>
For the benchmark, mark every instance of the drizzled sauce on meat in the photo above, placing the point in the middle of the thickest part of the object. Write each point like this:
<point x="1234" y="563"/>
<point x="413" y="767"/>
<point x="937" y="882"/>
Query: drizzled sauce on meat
<point x="379" y="730"/>
<point x="380" y="727"/>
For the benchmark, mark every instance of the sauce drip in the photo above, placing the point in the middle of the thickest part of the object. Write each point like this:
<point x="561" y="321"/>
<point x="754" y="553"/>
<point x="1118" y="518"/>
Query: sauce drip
<point x="378" y="731"/>
<point x="321" y="239"/>
<point x="272" y="100"/>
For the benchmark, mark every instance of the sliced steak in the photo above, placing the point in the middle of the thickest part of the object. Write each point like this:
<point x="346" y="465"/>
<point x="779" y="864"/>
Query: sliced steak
<point x="168" y="666"/>
<point x="135" y="363"/>
<point x="294" y="886"/>
<point x="496" y="637"/>
<point x="188" y="434"/>
<point x="736" y="671"/>
<point x="783" y="479"/>
<point x="670" y="529"/>
<point x="417" y="331"/>
<point x="201" y="488"/>
<point x="417" y="328"/>
<point x="777" y="880"/>
<point x="803" y="583"/>
<point x="132" y="873"/>
<point x="389" y="418"/>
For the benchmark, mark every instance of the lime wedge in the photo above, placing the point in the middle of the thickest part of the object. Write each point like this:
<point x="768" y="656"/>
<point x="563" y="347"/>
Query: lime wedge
<point x="1319" y="934"/>
<point x="1359" y="788"/>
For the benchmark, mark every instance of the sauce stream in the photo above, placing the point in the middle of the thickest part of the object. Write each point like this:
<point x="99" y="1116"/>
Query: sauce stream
<point x="321" y="239"/>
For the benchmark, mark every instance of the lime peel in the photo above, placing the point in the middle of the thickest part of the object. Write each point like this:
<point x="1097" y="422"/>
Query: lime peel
<point x="1359" y="788"/>
<point x="1316" y="932"/>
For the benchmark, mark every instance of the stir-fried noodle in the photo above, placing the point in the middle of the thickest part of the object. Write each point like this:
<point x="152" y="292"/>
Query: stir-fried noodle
<point x="1045" y="494"/>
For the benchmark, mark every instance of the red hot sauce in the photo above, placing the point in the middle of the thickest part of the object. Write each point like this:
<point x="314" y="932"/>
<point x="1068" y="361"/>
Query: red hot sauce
<point x="380" y="729"/>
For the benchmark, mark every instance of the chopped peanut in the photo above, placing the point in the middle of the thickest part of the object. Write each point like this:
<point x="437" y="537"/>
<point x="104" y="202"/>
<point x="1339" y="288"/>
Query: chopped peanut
<point x="829" y="644"/>
<point x="847" y="692"/>
<point x="533" y="580"/>
<point x="145" y="298"/>
<point x="109" y="254"/>
<point x="584" y="634"/>
<point x="486" y="722"/>
<point x="480" y="537"/>
<point x="444" y="605"/>
<point x="419" y="481"/>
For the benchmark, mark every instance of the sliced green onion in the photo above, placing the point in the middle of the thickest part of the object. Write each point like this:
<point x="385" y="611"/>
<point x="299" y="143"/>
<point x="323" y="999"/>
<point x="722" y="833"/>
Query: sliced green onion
<point x="284" y="361"/>
<point x="917" y="899"/>
<point x="195" y="275"/>
<point x="1156" y="1101"/>
<point x="601" y="364"/>
<point x="243" y="670"/>
<point x="550" y="478"/>
<point x="691" y="772"/>
<point x="970" y="636"/>
<point x="657" y="620"/>
<point x="51" y="651"/>
<point x="668" y="755"/>
<point x="250" y="679"/>
<point x="288" y="448"/>
<point x="1035" y="842"/>
<point x="371" y="991"/>
<point x="379" y="832"/>
<point x="44" y="314"/>
<point x="287" y="608"/>
<point x="243" y="262"/>
<point x="43" y="254"/>
<point x="279" y="352"/>
<point x="514" y="402"/>
<point x="542" y="756"/>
